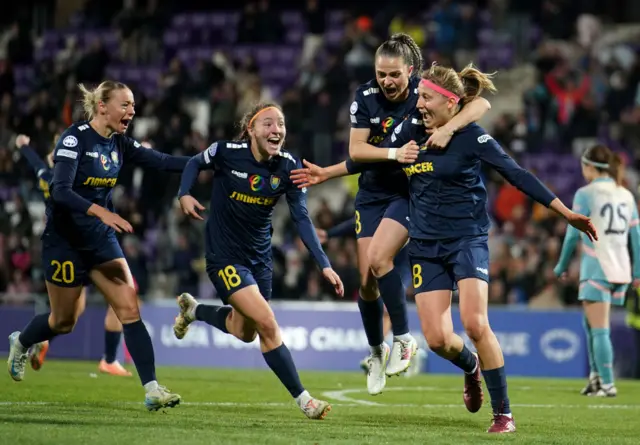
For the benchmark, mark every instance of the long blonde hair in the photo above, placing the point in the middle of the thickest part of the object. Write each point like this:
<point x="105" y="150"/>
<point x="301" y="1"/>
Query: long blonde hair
<point x="102" y="93"/>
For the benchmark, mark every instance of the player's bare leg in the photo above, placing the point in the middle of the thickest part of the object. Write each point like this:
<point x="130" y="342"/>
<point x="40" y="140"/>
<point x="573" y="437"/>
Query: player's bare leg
<point x="371" y="310"/>
<point x="38" y="352"/>
<point x="597" y="314"/>
<point x="113" y="333"/>
<point x="474" y="296"/>
<point x="389" y="238"/>
<point x="115" y="282"/>
<point x="60" y="320"/>
<point x="252" y="314"/>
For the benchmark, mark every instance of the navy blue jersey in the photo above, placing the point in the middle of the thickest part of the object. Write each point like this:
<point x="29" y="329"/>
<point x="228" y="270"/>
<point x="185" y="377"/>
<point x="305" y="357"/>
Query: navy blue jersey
<point x="245" y="192"/>
<point x="447" y="196"/>
<point x="42" y="170"/>
<point x="86" y="168"/>
<point x="373" y="111"/>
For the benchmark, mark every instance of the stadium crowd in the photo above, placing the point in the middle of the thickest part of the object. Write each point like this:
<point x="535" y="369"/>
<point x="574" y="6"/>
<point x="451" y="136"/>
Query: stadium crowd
<point x="581" y="96"/>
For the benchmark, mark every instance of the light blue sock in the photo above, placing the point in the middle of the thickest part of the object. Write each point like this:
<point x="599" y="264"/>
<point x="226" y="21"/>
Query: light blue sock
<point x="592" y="361"/>
<point x="603" y="354"/>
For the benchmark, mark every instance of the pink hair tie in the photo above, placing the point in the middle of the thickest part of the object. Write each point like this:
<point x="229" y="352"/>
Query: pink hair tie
<point x="438" y="89"/>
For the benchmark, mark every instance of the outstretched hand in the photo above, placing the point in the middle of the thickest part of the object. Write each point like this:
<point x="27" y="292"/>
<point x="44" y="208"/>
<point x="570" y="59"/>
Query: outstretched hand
<point x="583" y="224"/>
<point x="312" y="174"/>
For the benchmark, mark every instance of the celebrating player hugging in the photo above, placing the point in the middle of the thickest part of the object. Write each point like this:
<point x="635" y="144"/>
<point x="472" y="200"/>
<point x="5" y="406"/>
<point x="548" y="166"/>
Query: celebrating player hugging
<point x="251" y="174"/>
<point x="112" y="326"/>
<point x="449" y="226"/>
<point x="382" y="204"/>
<point x="449" y="232"/>
<point x="79" y="242"/>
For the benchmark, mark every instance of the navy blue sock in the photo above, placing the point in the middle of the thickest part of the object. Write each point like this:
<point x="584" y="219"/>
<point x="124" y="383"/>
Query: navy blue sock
<point x="111" y="343"/>
<point x="466" y="360"/>
<point x="281" y="363"/>
<point x="214" y="315"/>
<point x="496" y="381"/>
<point x="36" y="331"/>
<point x="371" y="313"/>
<point x="393" y="295"/>
<point x="141" y="349"/>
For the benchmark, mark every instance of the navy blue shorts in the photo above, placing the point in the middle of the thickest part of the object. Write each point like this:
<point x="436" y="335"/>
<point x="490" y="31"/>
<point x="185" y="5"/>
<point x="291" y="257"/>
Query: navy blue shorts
<point x="68" y="266"/>
<point x="231" y="276"/>
<point x="369" y="216"/>
<point x="439" y="265"/>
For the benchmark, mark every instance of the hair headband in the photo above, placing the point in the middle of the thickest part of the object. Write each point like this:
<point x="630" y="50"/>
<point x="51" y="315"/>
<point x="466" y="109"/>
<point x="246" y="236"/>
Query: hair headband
<point x="595" y="164"/>
<point x="256" y="115"/>
<point x="438" y="89"/>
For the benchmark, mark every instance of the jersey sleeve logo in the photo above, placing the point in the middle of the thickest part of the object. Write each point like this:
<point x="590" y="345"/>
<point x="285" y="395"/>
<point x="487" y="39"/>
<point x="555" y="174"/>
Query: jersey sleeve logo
<point x="484" y="138"/>
<point x="210" y="152"/>
<point x="275" y="182"/>
<point x="70" y="141"/>
<point x="63" y="153"/>
<point x="354" y="107"/>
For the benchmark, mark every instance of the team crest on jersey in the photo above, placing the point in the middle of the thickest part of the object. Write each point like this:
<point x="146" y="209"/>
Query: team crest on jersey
<point x="354" y="107"/>
<point x="275" y="182"/>
<point x="114" y="157"/>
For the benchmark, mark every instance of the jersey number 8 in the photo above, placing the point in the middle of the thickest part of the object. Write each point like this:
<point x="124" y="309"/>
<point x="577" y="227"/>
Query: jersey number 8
<point x="617" y="220"/>
<point x="230" y="277"/>
<point x="64" y="272"/>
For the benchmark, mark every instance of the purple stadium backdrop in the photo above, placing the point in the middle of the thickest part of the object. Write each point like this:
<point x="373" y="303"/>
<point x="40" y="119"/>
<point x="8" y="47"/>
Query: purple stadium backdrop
<point x="330" y="337"/>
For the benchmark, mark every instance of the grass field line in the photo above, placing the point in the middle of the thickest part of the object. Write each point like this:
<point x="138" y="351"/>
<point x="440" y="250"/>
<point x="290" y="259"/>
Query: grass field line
<point x="343" y="396"/>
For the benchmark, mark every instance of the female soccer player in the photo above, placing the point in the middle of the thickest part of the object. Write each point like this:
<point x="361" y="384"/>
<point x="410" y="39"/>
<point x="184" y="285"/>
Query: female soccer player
<point x="112" y="326"/>
<point x="252" y="173"/>
<point x="382" y="206"/>
<point x="79" y="241"/>
<point x="449" y="227"/>
<point x="606" y="269"/>
<point x="449" y="233"/>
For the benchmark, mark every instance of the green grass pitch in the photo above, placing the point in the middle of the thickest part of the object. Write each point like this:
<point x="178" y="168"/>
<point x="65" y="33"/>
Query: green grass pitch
<point x="67" y="403"/>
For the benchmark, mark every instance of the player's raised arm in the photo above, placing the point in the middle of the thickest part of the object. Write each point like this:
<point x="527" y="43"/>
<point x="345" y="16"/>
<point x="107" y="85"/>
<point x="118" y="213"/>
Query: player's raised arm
<point x="153" y="159"/>
<point x="40" y="168"/>
<point x="361" y="151"/>
<point x="471" y="112"/>
<point x="492" y="153"/>
<point x="312" y="174"/>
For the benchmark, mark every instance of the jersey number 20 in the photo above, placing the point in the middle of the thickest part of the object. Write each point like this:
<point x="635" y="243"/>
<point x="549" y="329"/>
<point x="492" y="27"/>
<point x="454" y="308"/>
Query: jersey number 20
<point x="617" y="220"/>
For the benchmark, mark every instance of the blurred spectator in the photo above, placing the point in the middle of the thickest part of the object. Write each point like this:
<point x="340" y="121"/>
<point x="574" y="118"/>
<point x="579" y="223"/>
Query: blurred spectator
<point x="195" y="73"/>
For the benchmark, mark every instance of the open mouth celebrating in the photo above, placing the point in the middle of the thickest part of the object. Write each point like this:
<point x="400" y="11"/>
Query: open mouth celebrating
<point x="274" y="142"/>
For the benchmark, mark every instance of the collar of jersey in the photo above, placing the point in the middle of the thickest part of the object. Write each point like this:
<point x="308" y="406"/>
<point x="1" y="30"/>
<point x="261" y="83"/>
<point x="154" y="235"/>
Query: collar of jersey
<point x="602" y="180"/>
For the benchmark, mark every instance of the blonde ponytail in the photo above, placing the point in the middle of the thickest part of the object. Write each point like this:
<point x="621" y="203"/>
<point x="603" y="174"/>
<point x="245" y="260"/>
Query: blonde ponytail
<point x="475" y="82"/>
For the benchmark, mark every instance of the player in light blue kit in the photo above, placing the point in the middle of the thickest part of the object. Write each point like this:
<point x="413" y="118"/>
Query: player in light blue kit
<point x="605" y="265"/>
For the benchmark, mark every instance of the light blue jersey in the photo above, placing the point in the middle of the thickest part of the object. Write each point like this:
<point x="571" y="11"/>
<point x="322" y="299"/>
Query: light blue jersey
<point x="614" y="213"/>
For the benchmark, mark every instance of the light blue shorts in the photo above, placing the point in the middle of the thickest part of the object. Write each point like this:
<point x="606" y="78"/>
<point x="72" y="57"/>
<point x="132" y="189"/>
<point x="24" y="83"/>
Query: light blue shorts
<point x="599" y="290"/>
